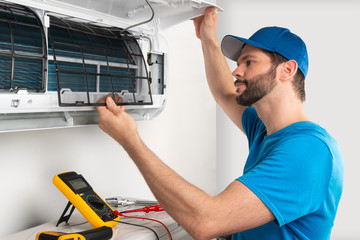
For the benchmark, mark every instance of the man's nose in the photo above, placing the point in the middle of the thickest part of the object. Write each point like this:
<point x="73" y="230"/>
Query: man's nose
<point x="238" y="73"/>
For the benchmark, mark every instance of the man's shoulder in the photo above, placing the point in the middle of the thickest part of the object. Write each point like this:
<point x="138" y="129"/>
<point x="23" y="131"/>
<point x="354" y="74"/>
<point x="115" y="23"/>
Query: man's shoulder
<point x="313" y="131"/>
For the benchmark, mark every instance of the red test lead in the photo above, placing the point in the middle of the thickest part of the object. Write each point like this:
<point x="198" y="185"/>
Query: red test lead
<point x="155" y="208"/>
<point x="145" y="209"/>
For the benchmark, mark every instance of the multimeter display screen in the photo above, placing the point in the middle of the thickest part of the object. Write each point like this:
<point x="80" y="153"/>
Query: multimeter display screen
<point x="78" y="183"/>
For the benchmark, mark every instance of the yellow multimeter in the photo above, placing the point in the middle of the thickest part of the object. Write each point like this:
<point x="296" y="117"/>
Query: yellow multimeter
<point x="79" y="192"/>
<point x="102" y="233"/>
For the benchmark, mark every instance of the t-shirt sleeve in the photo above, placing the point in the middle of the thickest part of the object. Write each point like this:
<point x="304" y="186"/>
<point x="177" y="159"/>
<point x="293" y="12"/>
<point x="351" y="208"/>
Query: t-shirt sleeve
<point x="293" y="179"/>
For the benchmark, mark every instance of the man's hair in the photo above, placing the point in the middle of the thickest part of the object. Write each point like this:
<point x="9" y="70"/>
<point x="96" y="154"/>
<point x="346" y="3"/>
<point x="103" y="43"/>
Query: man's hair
<point x="299" y="79"/>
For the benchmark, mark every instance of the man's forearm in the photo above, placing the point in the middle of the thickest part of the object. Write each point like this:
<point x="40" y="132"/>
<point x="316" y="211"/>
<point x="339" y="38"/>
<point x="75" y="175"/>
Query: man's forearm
<point x="180" y="199"/>
<point x="218" y="73"/>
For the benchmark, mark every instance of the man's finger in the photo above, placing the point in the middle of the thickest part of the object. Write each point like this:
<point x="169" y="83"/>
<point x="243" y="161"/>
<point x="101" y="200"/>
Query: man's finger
<point x="112" y="107"/>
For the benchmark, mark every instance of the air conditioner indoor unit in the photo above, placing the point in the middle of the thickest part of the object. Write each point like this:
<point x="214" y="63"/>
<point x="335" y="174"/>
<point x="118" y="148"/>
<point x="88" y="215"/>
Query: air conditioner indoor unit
<point x="59" y="58"/>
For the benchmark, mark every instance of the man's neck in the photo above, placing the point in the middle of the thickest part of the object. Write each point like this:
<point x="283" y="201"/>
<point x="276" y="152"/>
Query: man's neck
<point x="280" y="113"/>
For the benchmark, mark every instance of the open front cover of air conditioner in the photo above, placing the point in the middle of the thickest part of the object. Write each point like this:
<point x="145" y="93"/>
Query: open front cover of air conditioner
<point x="59" y="59"/>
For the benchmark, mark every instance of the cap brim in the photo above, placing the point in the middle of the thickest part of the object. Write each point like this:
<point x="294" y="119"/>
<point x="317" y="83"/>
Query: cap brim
<point x="232" y="46"/>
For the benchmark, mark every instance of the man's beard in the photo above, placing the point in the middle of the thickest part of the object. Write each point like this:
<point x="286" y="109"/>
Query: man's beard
<point x="257" y="87"/>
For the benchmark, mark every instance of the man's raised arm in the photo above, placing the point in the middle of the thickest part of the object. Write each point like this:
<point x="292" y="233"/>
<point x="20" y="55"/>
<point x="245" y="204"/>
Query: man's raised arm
<point x="218" y="74"/>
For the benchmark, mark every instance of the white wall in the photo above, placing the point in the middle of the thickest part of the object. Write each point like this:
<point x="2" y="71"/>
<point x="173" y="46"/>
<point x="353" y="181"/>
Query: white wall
<point x="183" y="136"/>
<point x="331" y="32"/>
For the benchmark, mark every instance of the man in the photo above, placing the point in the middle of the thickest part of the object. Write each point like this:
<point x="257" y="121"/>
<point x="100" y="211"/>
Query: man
<point x="293" y="177"/>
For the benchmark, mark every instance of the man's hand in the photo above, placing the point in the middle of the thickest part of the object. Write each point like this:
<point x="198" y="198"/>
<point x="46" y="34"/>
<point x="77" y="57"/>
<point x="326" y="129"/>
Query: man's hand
<point x="114" y="96"/>
<point x="117" y="123"/>
<point x="205" y="26"/>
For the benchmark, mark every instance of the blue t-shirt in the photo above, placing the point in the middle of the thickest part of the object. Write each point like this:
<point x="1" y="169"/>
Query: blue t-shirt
<point x="298" y="173"/>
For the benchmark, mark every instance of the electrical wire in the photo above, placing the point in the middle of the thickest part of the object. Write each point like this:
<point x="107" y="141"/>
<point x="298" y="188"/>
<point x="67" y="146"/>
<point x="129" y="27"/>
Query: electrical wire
<point x="137" y="225"/>
<point x="138" y="24"/>
<point x="143" y="218"/>
<point x="154" y="208"/>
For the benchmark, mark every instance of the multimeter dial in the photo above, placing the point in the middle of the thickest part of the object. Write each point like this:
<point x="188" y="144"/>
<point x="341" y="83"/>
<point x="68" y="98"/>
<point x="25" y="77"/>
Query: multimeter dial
<point x="95" y="202"/>
<point x="98" y="206"/>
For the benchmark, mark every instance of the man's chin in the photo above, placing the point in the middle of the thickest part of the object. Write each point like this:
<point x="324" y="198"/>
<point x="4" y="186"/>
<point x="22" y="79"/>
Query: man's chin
<point x="240" y="101"/>
<point x="245" y="103"/>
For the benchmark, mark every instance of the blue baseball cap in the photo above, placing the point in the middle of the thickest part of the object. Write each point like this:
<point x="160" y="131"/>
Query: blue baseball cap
<point x="273" y="39"/>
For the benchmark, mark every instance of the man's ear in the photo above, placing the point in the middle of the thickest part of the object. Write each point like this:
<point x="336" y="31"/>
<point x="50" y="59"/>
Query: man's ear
<point x="288" y="70"/>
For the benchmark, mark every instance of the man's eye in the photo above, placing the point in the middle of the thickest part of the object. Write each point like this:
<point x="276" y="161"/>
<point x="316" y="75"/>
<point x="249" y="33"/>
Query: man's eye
<point x="249" y="62"/>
